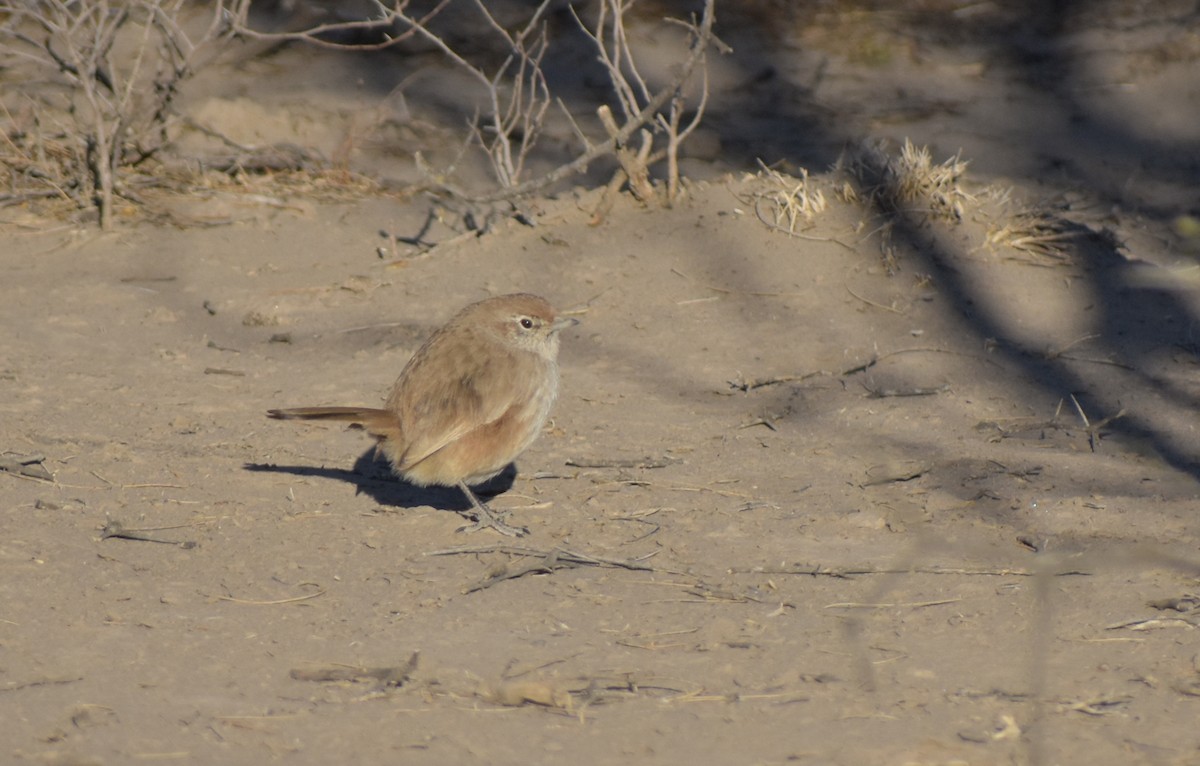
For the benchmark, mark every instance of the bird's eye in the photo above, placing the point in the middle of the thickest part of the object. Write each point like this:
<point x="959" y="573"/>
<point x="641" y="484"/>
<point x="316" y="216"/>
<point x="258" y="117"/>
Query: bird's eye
<point x="527" y="323"/>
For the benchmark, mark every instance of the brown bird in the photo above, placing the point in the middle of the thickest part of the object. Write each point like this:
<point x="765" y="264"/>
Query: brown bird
<point x="471" y="399"/>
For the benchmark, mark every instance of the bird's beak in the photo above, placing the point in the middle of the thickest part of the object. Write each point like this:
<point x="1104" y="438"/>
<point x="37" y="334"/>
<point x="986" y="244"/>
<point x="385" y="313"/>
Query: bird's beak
<point x="562" y="323"/>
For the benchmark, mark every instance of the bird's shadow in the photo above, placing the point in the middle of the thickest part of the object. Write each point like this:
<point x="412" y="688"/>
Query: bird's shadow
<point x="373" y="476"/>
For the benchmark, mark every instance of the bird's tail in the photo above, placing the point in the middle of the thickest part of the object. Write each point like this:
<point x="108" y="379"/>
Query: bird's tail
<point x="382" y="424"/>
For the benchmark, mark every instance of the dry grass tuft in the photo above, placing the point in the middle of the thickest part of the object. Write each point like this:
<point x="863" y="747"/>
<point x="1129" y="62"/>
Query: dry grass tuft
<point x="788" y="202"/>
<point x="910" y="180"/>
<point x="1038" y="234"/>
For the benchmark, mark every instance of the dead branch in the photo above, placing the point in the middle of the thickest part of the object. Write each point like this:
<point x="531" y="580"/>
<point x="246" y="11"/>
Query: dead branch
<point x="638" y="106"/>
<point x="320" y="35"/>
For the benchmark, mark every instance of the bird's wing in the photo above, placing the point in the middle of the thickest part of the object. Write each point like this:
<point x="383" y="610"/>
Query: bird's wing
<point x="434" y="413"/>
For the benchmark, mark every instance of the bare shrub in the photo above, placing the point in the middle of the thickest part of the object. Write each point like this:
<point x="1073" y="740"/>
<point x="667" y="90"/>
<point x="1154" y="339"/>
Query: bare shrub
<point x="642" y="126"/>
<point x="99" y="82"/>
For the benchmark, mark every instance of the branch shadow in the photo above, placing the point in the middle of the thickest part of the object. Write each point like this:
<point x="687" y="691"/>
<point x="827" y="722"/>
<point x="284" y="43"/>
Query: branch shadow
<point x="1135" y="322"/>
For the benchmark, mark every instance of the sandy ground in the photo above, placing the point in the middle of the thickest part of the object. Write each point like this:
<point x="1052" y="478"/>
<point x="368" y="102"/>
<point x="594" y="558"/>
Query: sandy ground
<point x="883" y="492"/>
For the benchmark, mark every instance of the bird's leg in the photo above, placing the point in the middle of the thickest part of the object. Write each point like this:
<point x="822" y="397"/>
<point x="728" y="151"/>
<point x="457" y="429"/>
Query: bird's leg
<point x="485" y="518"/>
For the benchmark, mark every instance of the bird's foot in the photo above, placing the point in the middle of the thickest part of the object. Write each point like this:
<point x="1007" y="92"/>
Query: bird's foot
<point x="488" y="519"/>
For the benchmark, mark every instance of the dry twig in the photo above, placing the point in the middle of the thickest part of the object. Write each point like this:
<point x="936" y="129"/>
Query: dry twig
<point x="853" y="571"/>
<point x="392" y="675"/>
<point x="540" y="562"/>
